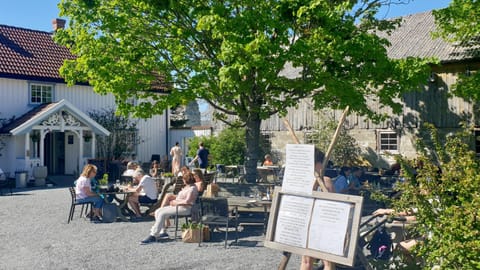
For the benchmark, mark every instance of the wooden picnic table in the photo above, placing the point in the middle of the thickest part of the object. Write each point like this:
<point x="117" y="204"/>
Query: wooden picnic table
<point x="249" y="209"/>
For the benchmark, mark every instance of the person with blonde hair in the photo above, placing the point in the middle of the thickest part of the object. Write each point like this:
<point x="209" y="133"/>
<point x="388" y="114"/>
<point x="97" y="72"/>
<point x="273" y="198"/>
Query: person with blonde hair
<point x="84" y="192"/>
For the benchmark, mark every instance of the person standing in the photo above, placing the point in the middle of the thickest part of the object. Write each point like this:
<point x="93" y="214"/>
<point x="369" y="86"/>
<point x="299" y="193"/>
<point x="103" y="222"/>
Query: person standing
<point x="202" y="156"/>
<point x="176" y="153"/>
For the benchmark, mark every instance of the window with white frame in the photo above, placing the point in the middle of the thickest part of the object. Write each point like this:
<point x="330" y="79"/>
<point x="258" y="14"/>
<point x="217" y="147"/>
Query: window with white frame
<point x="41" y="93"/>
<point x="388" y="141"/>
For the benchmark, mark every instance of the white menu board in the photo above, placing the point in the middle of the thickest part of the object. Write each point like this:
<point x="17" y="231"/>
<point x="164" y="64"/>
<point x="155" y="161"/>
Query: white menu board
<point x="299" y="174"/>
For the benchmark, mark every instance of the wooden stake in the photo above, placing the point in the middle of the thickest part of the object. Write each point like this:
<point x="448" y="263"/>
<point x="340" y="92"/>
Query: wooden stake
<point x="318" y="178"/>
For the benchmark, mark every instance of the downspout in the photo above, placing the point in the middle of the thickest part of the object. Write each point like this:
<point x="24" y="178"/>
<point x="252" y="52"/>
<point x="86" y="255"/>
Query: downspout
<point x="167" y="132"/>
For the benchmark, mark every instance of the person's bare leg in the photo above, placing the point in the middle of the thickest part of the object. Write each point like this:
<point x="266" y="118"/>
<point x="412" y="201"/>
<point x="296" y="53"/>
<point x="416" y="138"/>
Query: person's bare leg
<point x="133" y="202"/>
<point x="307" y="263"/>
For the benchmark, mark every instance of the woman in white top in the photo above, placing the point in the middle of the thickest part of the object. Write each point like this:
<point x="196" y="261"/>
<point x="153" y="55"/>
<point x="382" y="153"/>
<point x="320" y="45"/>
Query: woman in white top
<point x="176" y="153"/>
<point x="84" y="193"/>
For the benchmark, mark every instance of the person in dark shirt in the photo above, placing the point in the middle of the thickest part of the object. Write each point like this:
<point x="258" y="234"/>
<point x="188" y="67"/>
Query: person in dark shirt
<point x="202" y="156"/>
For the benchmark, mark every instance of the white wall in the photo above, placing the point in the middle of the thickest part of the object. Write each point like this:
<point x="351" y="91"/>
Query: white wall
<point x="15" y="93"/>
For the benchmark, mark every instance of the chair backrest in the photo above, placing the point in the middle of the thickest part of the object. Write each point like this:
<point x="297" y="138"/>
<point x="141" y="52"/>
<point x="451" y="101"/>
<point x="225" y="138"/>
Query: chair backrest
<point x="217" y="206"/>
<point x="72" y="194"/>
<point x="209" y="177"/>
<point x="178" y="185"/>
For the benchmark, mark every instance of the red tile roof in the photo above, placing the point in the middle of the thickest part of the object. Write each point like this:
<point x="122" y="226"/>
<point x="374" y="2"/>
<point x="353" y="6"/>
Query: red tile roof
<point x="30" y="54"/>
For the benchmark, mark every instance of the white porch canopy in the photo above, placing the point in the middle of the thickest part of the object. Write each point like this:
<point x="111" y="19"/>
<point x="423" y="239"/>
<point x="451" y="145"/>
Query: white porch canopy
<point x="58" y="116"/>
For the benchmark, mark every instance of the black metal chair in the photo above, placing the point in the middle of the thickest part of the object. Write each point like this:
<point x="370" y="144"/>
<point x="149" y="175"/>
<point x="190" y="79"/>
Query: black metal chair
<point x="194" y="215"/>
<point x="215" y="212"/>
<point x="75" y="203"/>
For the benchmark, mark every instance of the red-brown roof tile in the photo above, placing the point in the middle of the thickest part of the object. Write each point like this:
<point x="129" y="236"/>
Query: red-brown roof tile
<point x="30" y="54"/>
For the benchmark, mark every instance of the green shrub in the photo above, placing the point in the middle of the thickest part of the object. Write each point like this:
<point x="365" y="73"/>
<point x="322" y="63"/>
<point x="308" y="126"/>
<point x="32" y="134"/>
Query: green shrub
<point x="446" y="194"/>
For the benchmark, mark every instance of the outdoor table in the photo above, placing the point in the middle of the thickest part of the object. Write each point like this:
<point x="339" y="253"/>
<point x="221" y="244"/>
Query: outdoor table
<point x="232" y="169"/>
<point x="265" y="171"/>
<point x="250" y="206"/>
<point x="121" y="199"/>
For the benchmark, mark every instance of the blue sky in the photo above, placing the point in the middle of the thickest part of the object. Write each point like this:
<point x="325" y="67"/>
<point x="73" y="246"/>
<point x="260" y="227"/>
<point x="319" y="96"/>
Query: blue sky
<point x="38" y="14"/>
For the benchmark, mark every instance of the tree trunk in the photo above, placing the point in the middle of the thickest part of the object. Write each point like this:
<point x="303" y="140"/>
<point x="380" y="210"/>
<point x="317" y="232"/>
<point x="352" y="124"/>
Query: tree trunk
<point x="252" y="142"/>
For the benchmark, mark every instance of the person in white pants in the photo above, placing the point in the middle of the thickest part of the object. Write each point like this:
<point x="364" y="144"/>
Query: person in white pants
<point x="185" y="199"/>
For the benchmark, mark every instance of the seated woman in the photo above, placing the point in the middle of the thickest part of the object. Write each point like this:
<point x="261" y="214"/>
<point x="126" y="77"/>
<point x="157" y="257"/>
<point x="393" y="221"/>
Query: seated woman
<point x="84" y="192"/>
<point x="406" y="245"/>
<point x="268" y="161"/>
<point x="185" y="199"/>
<point x="155" y="169"/>
<point x="145" y="192"/>
<point x="199" y="181"/>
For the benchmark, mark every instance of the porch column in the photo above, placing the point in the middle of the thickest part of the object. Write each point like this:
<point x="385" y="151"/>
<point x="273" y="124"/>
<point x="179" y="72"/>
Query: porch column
<point x="80" y="152"/>
<point x="27" y="146"/>
<point x="42" y="147"/>
<point x="94" y="139"/>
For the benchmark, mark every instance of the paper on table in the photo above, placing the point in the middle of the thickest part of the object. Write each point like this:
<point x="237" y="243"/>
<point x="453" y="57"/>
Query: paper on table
<point x="292" y="221"/>
<point x="299" y="169"/>
<point x="329" y="227"/>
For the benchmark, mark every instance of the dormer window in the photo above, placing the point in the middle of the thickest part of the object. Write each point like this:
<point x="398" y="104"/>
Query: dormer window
<point x="41" y="93"/>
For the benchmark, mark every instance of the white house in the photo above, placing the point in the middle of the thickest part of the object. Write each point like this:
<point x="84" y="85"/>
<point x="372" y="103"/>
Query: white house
<point x="51" y="126"/>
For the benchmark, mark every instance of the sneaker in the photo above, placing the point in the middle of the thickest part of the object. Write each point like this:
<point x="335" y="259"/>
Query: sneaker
<point x="136" y="219"/>
<point x="96" y="220"/>
<point x="148" y="240"/>
<point x="163" y="236"/>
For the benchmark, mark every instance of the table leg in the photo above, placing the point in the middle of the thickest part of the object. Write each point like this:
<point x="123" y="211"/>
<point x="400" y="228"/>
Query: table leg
<point x="122" y="206"/>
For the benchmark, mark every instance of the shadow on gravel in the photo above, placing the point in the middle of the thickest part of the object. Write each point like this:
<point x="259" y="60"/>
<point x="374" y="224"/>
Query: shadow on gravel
<point x="18" y="194"/>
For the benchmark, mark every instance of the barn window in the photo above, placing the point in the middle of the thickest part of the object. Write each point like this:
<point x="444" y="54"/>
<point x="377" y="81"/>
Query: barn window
<point x="388" y="141"/>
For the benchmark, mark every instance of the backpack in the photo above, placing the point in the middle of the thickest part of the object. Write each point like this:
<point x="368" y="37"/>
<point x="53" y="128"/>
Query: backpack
<point x="381" y="244"/>
<point x="109" y="212"/>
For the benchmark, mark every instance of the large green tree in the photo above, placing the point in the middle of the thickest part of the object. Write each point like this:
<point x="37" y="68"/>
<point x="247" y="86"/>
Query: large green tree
<point x="459" y="23"/>
<point x="232" y="53"/>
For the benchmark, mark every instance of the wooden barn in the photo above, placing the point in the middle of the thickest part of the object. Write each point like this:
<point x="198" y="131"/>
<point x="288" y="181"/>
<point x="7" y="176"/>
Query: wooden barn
<point x="398" y="134"/>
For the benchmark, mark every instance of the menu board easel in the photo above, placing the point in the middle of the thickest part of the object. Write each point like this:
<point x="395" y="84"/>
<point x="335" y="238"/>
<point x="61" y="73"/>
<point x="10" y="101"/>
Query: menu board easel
<point x="320" y="225"/>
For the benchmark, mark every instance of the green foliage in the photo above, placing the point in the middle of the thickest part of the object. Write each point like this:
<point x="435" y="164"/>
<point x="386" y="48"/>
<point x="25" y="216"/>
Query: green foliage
<point x="446" y="194"/>
<point x="104" y="180"/>
<point x="122" y="137"/>
<point x="231" y="54"/>
<point x="191" y="225"/>
<point x="226" y="148"/>
<point x="346" y="151"/>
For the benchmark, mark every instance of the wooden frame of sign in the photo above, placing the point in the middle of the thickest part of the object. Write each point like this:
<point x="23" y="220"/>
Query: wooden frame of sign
<point x="321" y="225"/>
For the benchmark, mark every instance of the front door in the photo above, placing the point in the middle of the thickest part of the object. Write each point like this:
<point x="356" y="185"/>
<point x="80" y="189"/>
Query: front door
<point x="55" y="152"/>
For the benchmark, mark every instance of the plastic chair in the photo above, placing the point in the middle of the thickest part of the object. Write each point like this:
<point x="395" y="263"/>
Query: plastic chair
<point x="215" y="211"/>
<point x="75" y="203"/>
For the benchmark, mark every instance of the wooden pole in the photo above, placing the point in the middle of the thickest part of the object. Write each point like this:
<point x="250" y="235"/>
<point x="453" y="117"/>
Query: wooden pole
<point x="330" y="147"/>
<point x="290" y="129"/>
<point x="318" y="178"/>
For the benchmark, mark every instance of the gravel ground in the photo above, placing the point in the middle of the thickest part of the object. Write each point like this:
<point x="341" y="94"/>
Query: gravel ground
<point x="35" y="235"/>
